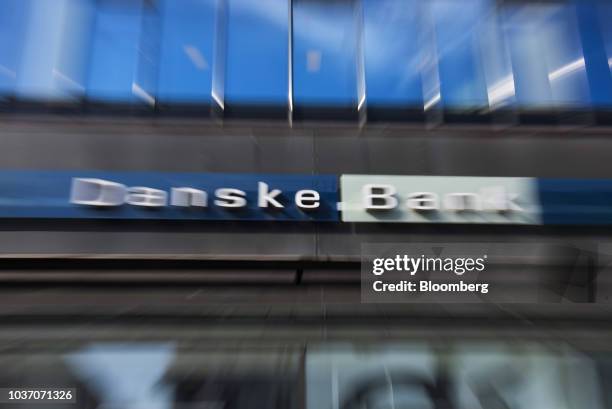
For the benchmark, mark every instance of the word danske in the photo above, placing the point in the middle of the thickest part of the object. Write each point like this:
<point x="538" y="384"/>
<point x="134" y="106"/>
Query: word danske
<point x="105" y="193"/>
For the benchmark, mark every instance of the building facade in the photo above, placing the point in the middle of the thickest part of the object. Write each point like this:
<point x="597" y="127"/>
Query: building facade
<point x="196" y="297"/>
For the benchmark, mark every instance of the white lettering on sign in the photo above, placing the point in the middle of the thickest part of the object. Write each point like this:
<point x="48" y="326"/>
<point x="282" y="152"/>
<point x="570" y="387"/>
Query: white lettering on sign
<point x="231" y="198"/>
<point x="105" y="193"/>
<point x="307" y="199"/>
<point x="494" y="198"/>
<point x="97" y="192"/>
<point x="379" y="197"/>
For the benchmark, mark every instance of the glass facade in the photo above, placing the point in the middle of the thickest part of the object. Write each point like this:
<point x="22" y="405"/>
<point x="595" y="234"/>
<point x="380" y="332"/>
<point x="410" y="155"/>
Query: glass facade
<point x="12" y="18"/>
<point x="116" y="52"/>
<point x="458" y="39"/>
<point x="257" y="52"/>
<point x="325" y="53"/>
<point x="186" y="49"/>
<point x="393" y="72"/>
<point x="546" y="75"/>
<point x="474" y="55"/>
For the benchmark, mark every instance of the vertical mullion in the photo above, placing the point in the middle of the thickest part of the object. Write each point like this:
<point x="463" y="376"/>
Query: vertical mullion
<point x="290" y="63"/>
<point x="360" y="62"/>
<point x="219" y="59"/>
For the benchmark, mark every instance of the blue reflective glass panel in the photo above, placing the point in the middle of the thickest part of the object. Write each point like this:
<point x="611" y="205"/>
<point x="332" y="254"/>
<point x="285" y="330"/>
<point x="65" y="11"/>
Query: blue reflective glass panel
<point x="116" y="52"/>
<point x="392" y="52"/>
<point x="604" y="11"/>
<point x="596" y="31"/>
<point x="187" y="44"/>
<point x="257" y="52"/>
<point x="325" y="53"/>
<point x="12" y="28"/>
<point x="457" y="26"/>
<point x="547" y="56"/>
<point x="53" y="57"/>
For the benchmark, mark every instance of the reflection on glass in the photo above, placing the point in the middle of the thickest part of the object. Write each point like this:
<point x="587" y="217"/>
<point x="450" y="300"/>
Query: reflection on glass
<point x="596" y="31"/>
<point x="604" y="11"/>
<point x="116" y="53"/>
<point x="547" y="57"/>
<point x="393" y="57"/>
<point x="126" y="375"/>
<point x="325" y="53"/>
<point x="458" y="374"/>
<point x="52" y="65"/>
<point x="465" y="376"/>
<point x="187" y="43"/>
<point x="257" y="52"/>
<point x="12" y="31"/>
<point x="347" y="377"/>
<point x="463" y="55"/>
<point x="458" y="34"/>
<point x="496" y="62"/>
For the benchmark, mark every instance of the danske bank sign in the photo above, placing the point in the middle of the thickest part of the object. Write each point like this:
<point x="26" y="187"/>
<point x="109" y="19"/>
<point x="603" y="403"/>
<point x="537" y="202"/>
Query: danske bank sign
<point x="439" y="199"/>
<point x="325" y="198"/>
<point x="364" y="198"/>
